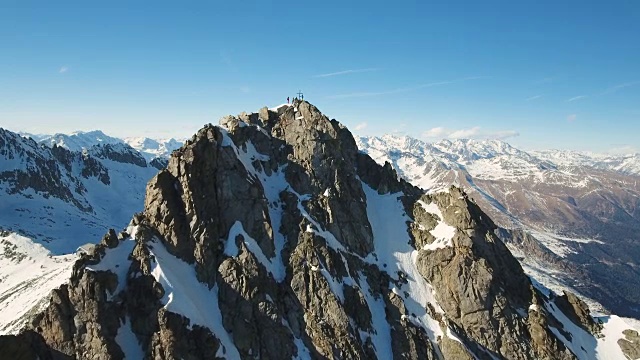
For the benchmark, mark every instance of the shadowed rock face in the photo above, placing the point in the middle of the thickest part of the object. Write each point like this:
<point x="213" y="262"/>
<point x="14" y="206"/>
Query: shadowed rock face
<point x="159" y="163"/>
<point x="121" y="153"/>
<point x="272" y="213"/>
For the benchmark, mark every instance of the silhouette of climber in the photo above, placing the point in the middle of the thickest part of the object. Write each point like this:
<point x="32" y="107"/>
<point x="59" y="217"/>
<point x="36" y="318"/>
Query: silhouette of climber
<point x="287" y="99"/>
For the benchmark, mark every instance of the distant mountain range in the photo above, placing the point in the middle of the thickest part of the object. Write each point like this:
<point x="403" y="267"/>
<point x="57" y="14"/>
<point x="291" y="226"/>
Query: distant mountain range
<point x="573" y="217"/>
<point x="76" y="141"/>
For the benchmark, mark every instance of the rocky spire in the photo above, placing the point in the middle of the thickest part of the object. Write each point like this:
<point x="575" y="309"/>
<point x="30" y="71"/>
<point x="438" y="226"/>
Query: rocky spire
<point x="272" y="237"/>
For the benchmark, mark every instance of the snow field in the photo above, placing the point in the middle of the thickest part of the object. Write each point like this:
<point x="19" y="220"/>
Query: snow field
<point x="28" y="274"/>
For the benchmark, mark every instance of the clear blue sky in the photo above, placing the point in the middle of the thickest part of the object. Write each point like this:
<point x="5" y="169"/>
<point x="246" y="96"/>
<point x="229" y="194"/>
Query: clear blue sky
<point x="561" y="74"/>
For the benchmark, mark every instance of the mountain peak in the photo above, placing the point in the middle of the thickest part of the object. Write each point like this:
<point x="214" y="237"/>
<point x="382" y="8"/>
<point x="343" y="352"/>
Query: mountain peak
<point x="273" y="235"/>
<point x="79" y="140"/>
<point x="92" y="133"/>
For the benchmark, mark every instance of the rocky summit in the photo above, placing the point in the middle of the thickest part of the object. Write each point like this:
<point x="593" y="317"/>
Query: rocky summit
<point x="272" y="237"/>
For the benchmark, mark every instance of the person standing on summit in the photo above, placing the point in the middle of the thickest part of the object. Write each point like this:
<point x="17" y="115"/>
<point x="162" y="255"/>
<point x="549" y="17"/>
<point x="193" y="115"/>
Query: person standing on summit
<point x="287" y="99"/>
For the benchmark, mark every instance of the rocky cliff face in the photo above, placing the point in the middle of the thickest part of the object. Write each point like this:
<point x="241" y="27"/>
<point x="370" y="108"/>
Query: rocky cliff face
<point x="272" y="237"/>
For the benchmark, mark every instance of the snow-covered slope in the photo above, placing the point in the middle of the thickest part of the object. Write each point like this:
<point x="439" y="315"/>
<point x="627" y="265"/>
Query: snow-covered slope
<point x="28" y="273"/>
<point x="63" y="198"/>
<point x="52" y="201"/>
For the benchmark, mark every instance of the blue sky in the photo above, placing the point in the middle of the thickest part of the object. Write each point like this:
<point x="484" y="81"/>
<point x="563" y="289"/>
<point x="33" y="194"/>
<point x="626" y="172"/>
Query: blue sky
<point x="544" y="74"/>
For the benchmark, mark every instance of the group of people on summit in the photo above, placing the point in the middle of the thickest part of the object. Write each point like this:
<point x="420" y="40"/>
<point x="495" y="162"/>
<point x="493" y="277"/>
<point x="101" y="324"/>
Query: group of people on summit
<point x="300" y="94"/>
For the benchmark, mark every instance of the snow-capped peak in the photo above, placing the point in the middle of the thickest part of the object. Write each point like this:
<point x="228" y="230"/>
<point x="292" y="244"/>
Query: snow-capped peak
<point x="469" y="150"/>
<point x="83" y="140"/>
<point x="78" y="140"/>
<point x="154" y="148"/>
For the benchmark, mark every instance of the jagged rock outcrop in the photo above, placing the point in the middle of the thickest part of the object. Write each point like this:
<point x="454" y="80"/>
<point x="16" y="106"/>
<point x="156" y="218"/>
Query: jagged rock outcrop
<point x="482" y="287"/>
<point x="577" y="311"/>
<point x="272" y="237"/>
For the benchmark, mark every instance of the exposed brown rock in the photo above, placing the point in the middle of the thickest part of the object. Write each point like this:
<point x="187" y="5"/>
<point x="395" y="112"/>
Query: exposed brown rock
<point x="323" y="240"/>
<point x="630" y="345"/>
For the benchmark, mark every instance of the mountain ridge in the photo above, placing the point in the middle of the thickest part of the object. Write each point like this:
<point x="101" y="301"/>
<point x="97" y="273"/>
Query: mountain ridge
<point x="626" y="163"/>
<point x="82" y="140"/>
<point x="296" y="245"/>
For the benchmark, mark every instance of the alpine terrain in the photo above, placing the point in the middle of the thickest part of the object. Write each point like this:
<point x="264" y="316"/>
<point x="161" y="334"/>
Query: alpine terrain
<point x="149" y="148"/>
<point x="53" y="201"/>
<point x="272" y="236"/>
<point x="573" y="219"/>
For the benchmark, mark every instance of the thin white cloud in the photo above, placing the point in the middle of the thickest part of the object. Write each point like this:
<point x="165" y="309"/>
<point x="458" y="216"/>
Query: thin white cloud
<point x="361" y="126"/>
<point x="533" y="98"/>
<point x="345" y="72"/>
<point x="63" y="69"/>
<point x="572" y="117"/>
<point x="465" y="133"/>
<point x="620" y="86"/>
<point x="475" y="132"/>
<point x="404" y="90"/>
<point x="436" y="132"/>
<point x="577" y="98"/>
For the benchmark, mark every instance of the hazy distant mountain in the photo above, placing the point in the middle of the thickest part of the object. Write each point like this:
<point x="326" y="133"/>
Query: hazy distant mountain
<point x="627" y="163"/>
<point x="79" y="140"/>
<point x="152" y="148"/>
